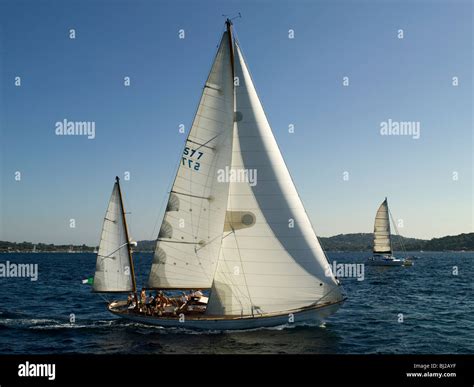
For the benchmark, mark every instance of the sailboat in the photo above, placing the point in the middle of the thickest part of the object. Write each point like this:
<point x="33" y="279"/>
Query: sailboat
<point x="234" y="226"/>
<point x="114" y="272"/>
<point x="382" y="252"/>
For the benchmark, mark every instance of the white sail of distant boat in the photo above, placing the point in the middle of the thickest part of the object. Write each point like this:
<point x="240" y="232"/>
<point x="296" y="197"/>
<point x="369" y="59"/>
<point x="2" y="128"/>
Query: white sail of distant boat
<point x="248" y="241"/>
<point x="382" y="237"/>
<point x="382" y="251"/>
<point x="114" y="268"/>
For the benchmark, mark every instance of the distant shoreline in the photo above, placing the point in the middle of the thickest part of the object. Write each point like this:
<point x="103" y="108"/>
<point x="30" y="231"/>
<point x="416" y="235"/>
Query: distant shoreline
<point x="361" y="242"/>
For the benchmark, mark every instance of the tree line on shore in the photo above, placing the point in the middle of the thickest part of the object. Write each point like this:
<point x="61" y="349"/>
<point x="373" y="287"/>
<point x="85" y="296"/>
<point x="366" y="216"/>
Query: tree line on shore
<point x="341" y="242"/>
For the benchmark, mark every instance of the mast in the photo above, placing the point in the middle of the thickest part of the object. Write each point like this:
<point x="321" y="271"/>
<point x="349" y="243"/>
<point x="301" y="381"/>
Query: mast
<point x="228" y="24"/>
<point x="132" y="269"/>
<point x="389" y="233"/>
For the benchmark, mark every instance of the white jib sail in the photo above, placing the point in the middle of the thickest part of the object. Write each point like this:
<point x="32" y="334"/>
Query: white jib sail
<point x="271" y="260"/>
<point x="113" y="272"/>
<point x="188" y="244"/>
<point x="382" y="230"/>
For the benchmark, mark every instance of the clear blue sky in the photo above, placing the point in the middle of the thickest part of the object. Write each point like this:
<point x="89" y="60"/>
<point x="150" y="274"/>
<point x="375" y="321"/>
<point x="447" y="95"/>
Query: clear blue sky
<point x="299" y="81"/>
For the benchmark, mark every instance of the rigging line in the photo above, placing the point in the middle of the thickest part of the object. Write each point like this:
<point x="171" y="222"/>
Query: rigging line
<point x="324" y="252"/>
<point x="201" y="145"/>
<point x="209" y="86"/>
<point x="327" y="294"/>
<point x="192" y="196"/>
<point x="243" y="272"/>
<point x="208" y="141"/>
<point x="396" y="230"/>
<point x="225" y="236"/>
<point x="221" y="251"/>
<point x="212" y="240"/>
<point x="195" y="231"/>
<point x="103" y="297"/>
<point x="230" y="280"/>
<point x="239" y="294"/>
<point x="108" y="256"/>
<point x="128" y="219"/>
<point x="180" y="242"/>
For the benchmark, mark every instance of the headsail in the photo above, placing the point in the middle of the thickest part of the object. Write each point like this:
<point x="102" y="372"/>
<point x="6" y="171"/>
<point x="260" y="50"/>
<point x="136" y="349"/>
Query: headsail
<point x="382" y="242"/>
<point x="114" y="270"/>
<point x="189" y="240"/>
<point x="270" y="260"/>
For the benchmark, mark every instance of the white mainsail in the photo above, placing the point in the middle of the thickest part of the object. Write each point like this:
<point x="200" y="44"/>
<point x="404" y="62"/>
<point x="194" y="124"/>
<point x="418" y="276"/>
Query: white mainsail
<point x="382" y="243"/>
<point x="270" y="259"/>
<point x="187" y="249"/>
<point x="113" y="271"/>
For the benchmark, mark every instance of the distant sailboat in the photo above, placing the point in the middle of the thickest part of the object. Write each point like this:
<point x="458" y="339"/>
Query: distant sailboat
<point x="249" y="244"/>
<point x="382" y="252"/>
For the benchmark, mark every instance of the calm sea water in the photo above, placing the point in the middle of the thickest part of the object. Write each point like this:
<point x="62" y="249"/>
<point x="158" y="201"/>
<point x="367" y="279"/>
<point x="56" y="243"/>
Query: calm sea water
<point x="437" y="308"/>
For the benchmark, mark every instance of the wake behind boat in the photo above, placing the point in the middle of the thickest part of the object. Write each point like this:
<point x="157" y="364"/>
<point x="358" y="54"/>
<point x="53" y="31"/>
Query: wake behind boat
<point x="382" y="252"/>
<point x="242" y="238"/>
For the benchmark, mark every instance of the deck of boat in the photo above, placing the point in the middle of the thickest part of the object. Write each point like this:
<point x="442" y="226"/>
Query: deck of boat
<point x="309" y="314"/>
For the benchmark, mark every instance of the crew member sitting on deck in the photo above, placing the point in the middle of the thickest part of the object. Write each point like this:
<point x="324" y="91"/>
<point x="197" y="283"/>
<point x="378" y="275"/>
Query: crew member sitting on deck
<point x="184" y="300"/>
<point x="142" y="300"/>
<point x="150" y="305"/>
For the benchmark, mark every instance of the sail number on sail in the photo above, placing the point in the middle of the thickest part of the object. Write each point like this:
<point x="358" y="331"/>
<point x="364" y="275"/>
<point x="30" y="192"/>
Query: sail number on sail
<point x="188" y="155"/>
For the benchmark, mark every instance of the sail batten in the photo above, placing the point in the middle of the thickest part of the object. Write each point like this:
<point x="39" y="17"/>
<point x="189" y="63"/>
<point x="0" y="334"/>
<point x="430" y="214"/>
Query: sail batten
<point x="382" y="239"/>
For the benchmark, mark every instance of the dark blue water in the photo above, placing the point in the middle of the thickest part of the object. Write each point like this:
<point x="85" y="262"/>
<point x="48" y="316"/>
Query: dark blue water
<point x="437" y="308"/>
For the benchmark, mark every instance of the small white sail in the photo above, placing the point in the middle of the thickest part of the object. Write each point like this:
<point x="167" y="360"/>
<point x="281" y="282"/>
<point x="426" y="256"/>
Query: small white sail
<point x="271" y="260"/>
<point x="188" y="244"/>
<point x="113" y="272"/>
<point x="382" y="243"/>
